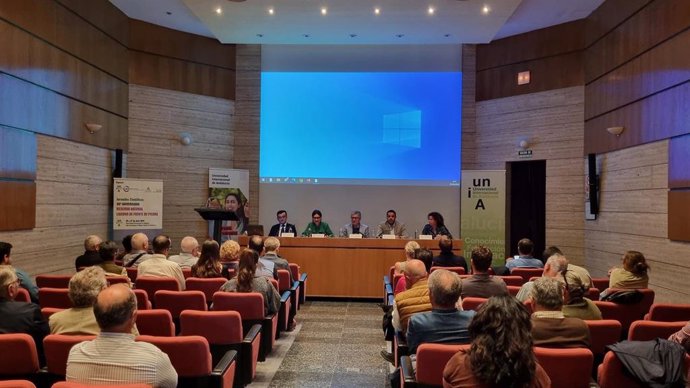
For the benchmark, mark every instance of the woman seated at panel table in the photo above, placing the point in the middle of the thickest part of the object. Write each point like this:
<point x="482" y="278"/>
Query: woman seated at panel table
<point x="316" y="226"/>
<point x="436" y="227"/>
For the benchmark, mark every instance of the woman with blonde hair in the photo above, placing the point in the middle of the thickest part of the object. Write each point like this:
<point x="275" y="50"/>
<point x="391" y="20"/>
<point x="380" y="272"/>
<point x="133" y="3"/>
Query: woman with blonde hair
<point x="229" y="256"/>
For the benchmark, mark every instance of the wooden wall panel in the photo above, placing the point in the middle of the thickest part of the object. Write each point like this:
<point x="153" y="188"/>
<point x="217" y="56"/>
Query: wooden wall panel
<point x="59" y="26"/>
<point x="678" y="162"/>
<point x="468" y="152"/>
<point x="157" y="118"/>
<point x="608" y="16"/>
<point x="102" y="14"/>
<point x="18" y="205"/>
<point x="552" y="121"/>
<point x="247" y="123"/>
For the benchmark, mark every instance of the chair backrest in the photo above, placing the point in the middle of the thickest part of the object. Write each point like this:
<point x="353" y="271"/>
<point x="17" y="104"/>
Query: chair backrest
<point x="189" y="355"/>
<point x="514" y="290"/>
<point x="284" y="280"/>
<point x="567" y="368"/>
<point x="472" y="303"/>
<point x="275" y="283"/>
<point x="218" y="327"/>
<point x="117" y="280"/>
<point x="600" y="283"/>
<point x="53" y="281"/>
<point x="69" y="384"/>
<point x="206" y="285"/>
<point x="294" y="268"/>
<point x="602" y="333"/>
<point x="151" y="284"/>
<point x="457" y="270"/>
<point x="57" y="347"/>
<point x="526" y="273"/>
<point x="18" y="355"/>
<point x="54" y="297"/>
<point x="48" y="311"/>
<point x="432" y="359"/>
<point x="611" y="373"/>
<point x="627" y="313"/>
<point x="16" y="384"/>
<point x="178" y="301"/>
<point x="132" y="273"/>
<point x="22" y="295"/>
<point x="143" y="302"/>
<point x="513" y="280"/>
<point x="668" y="312"/>
<point x="155" y="322"/>
<point x="593" y="293"/>
<point x="187" y="272"/>
<point x="649" y="330"/>
<point x="250" y="305"/>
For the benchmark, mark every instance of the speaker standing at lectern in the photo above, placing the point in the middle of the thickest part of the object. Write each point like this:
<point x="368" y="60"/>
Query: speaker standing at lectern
<point x="282" y="226"/>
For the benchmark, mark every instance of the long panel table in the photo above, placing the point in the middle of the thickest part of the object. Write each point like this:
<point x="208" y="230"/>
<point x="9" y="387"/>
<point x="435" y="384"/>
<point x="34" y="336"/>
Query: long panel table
<point x="344" y="267"/>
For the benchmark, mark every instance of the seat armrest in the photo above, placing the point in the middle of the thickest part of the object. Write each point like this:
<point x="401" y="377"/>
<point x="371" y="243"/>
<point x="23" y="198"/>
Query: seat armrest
<point x="303" y="278"/>
<point x="252" y="334"/>
<point x="295" y="285"/>
<point x="403" y="349"/>
<point x="391" y="299"/>
<point x="386" y="280"/>
<point x="224" y="363"/>
<point x="408" y="378"/>
<point x="284" y="298"/>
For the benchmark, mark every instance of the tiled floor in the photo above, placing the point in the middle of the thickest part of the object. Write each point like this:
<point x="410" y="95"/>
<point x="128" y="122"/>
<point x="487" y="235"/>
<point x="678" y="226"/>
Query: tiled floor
<point x="337" y="344"/>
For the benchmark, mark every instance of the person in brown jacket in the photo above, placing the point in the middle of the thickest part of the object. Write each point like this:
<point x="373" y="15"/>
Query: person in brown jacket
<point x="413" y="300"/>
<point x="550" y="328"/>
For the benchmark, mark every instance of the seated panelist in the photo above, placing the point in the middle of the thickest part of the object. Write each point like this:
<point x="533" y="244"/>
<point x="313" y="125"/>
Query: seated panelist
<point x="391" y="226"/>
<point x="282" y="226"/>
<point x="436" y="227"/>
<point x="355" y="226"/>
<point x="317" y="226"/>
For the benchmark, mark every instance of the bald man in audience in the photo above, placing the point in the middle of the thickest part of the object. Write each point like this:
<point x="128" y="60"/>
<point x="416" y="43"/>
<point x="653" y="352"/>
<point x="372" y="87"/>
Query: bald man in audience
<point x="189" y="253"/>
<point x="90" y="256"/>
<point x="580" y="271"/>
<point x="550" y="328"/>
<point x="158" y="264"/>
<point x="555" y="267"/>
<point x="114" y="357"/>
<point x="139" y="254"/>
<point x="413" y="300"/>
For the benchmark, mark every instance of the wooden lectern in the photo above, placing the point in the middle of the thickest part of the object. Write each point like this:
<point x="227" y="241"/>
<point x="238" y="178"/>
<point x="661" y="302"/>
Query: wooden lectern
<point x="217" y="216"/>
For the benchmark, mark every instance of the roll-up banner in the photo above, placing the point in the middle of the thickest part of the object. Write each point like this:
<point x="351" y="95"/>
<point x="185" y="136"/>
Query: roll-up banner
<point x="483" y="212"/>
<point x="137" y="207"/>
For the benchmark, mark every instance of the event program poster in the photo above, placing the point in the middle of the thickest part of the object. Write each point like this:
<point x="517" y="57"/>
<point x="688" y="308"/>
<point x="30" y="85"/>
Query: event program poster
<point x="483" y="212"/>
<point x="138" y="204"/>
<point x="229" y="189"/>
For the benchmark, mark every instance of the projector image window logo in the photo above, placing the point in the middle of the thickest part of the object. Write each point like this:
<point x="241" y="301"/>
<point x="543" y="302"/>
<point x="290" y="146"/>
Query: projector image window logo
<point x="403" y="129"/>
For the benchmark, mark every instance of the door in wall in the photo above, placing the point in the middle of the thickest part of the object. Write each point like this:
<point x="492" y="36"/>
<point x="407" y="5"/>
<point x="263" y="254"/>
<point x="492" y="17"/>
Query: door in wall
<point x="526" y="197"/>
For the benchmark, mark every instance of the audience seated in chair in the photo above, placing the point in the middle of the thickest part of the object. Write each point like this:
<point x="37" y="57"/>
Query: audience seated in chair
<point x="415" y="299"/>
<point x="107" y="250"/>
<point x="271" y="248"/>
<point x="229" y="258"/>
<point x="501" y="353"/>
<point x="633" y="275"/>
<point x="90" y="256"/>
<point x="481" y="284"/>
<point x="411" y="248"/>
<point x="425" y="256"/>
<point x="139" y="252"/>
<point x="247" y="281"/>
<point x="25" y="280"/>
<point x="447" y="258"/>
<point x="580" y="271"/>
<point x="524" y="259"/>
<point x="576" y="305"/>
<point x="550" y="328"/>
<point x="266" y="269"/>
<point x="555" y="266"/>
<point x="189" y="253"/>
<point x="208" y="264"/>
<point x="158" y="264"/>
<point x="114" y="357"/>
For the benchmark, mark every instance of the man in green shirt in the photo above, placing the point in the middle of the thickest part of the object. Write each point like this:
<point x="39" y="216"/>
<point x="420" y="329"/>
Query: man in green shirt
<point x="316" y="226"/>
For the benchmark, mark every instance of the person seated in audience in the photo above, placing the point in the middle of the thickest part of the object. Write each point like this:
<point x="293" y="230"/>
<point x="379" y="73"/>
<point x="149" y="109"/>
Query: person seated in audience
<point x="189" y="253"/>
<point x="127" y="249"/>
<point x="481" y="284"/>
<point x="84" y="288"/>
<point x="415" y="298"/>
<point x="426" y="257"/>
<point x="436" y="227"/>
<point x="633" y="275"/>
<point x="682" y="337"/>
<point x="550" y="328"/>
<point x="108" y="250"/>
<point x="229" y="257"/>
<point x="271" y="247"/>
<point x="90" y="256"/>
<point x="209" y="265"/>
<point x="268" y="268"/>
<point x="355" y="226"/>
<point x="410" y="248"/>
<point x="25" y="281"/>
<point x="580" y="271"/>
<point x="158" y="264"/>
<point x="555" y="267"/>
<point x="19" y="317"/>
<point x="316" y="226"/>
<point x="391" y="226"/>
<point x="524" y="259"/>
<point x="114" y="357"/>
<point x="247" y="281"/>
<point x="447" y="258"/>
<point x="140" y="251"/>
<point x="501" y="354"/>
<point x="444" y="323"/>
<point x="576" y="305"/>
<point x="282" y="226"/>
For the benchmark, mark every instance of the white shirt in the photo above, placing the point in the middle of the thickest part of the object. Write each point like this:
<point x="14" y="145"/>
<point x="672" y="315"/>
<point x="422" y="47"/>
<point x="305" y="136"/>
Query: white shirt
<point x="158" y="265"/>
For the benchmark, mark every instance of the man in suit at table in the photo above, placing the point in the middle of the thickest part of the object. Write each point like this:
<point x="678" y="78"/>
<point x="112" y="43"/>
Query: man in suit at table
<point x="282" y="226"/>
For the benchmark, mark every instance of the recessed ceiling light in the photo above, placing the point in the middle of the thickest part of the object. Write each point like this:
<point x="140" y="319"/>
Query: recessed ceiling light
<point x="324" y="10"/>
<point x="219" y="10"/>
<point x="486" y="10"/>
<point x="353" y="35"/>
<point x="431" y="10"/>
<point x="259" y="35"/>
<point x="306" y="35"/>
<point x="377" y="11"/>
<point x="168" y="13"/>
<point x="400" y="35"/>
<point x="271" y="11"/>
<point x="447" y="35"/>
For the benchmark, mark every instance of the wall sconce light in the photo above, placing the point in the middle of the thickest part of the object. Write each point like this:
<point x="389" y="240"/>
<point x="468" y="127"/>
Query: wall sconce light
<point x="93" y="127"/>
<point x="185" y="138"/>
<point x="523" y="77"/>
<point x="523" y="144"/>
<point x="615" y="130"/>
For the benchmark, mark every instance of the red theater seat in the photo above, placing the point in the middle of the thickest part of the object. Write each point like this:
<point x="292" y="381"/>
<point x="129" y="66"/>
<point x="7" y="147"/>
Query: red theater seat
<point x="526" y="273"/>
<point x="567" y="368"/>
<point x="54" y="297"/>
<point x="157" y="322"/>
<point x="472" y="303"/>
<point x="53" y="281"/>
<point x="431" y="360"/>
<point x="18" y="356"/>
<point x="603" y="333"/>
<point x="178" y="301"/>
<point x="151" y="284"/>
<point x="611" y="373"/>
<point x="668" y="312"/>
<point x="513" y="280"/>
<point x="649" y="330"/>
<point x="208" y="286"/>
<point x="22" y="295"/>
<point x="457" y="270"/>
<point x="57" y="347"/>
<point x="143" y="302"/>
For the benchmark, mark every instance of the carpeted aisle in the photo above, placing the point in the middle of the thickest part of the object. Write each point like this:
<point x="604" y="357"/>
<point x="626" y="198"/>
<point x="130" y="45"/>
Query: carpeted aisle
<point x="336" y="344"/>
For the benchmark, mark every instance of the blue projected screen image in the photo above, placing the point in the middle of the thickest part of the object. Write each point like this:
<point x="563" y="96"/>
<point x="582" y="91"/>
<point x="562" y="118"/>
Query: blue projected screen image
<point x="396" y="128"/>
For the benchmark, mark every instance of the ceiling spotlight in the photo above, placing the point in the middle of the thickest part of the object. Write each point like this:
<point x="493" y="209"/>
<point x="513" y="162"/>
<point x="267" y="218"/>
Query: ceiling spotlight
<point x="168" y="13"/>
<point x="400" y="35"/>
<point x="353" y="35"/>
<point x="219" y="10"/>
<point x="259" y="35"/>
<point x="431" y="10"/>
<point x="306" y="35"/>
<point x="486" y="10"/>
<point x="271" y="11"/>
<point x="324" y="11"/>
<point x="377" y="11"/>
<point x="447" y="35"/>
